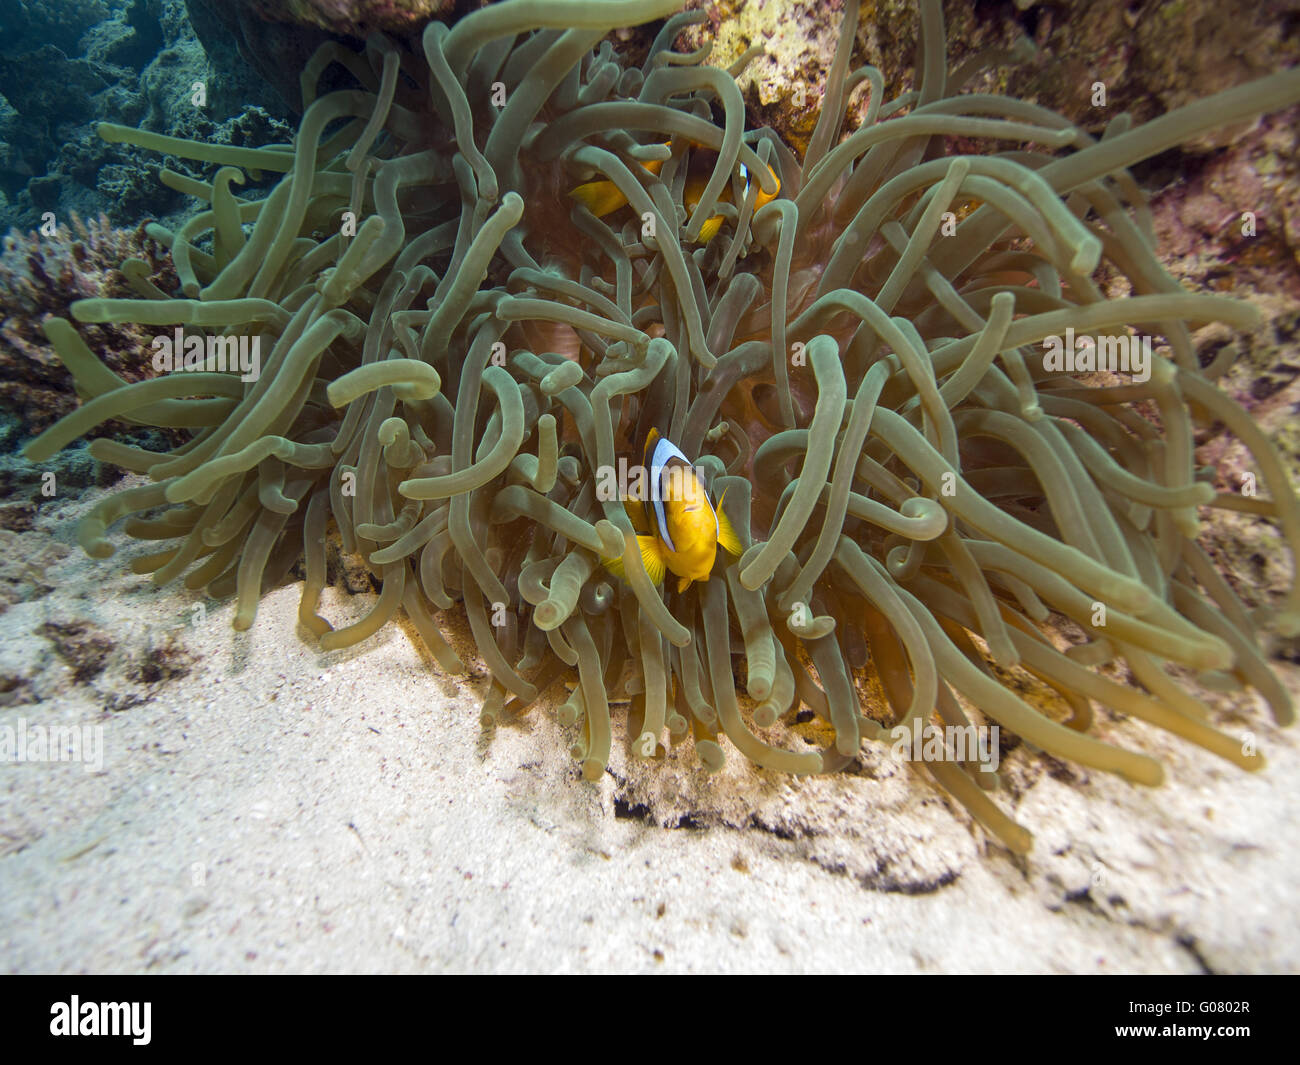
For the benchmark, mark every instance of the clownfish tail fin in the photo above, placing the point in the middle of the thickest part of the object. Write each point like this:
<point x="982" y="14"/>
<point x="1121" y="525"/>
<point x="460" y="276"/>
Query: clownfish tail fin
<point x="599" y="197"/>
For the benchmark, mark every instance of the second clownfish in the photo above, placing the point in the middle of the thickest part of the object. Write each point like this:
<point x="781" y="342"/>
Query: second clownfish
<point x="603" y="197"/>
<point x="678" y="528"/>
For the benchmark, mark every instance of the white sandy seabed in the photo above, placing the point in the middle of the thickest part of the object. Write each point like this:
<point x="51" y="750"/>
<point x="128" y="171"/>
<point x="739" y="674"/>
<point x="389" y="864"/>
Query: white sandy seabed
<point x="275" y="809"/>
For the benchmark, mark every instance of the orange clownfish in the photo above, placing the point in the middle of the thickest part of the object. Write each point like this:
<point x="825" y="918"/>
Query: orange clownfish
<point x="603" y="197"/>
<point x="680" y="530"/>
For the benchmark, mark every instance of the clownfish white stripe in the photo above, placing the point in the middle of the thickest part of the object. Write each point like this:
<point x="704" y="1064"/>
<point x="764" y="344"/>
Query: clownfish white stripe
<point x="664" y="450"/>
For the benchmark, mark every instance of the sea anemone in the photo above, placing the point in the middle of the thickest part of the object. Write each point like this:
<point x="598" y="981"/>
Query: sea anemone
<point x="456" y="350"/>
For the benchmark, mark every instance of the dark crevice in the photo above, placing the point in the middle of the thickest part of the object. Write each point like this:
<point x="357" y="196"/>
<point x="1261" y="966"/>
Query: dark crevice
<point x="893" y="885"/>
<point x="639" y="811"/>
<point x="1189" y="944"/>
<point x="779" y="831"/>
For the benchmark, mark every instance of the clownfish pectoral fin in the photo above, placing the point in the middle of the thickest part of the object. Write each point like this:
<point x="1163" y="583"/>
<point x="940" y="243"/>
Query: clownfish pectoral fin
<point x="651" y="558"/>
<point x="599" y="197"/>
<point x="727" y="538"/>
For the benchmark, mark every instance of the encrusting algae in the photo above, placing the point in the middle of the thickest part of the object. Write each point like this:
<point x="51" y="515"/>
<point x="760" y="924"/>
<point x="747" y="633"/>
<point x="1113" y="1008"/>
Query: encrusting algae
<point x="492" y="270"/>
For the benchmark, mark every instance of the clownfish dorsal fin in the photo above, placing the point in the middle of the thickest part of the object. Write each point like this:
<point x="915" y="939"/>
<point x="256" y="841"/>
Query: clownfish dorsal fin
<point x="650" y="439"/>
<point x="649" y="511"/>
